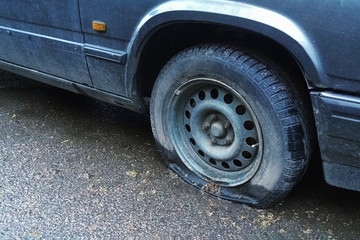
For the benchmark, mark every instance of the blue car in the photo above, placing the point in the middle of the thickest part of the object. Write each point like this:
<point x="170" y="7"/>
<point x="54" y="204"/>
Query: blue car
<point x="241" y="92"/>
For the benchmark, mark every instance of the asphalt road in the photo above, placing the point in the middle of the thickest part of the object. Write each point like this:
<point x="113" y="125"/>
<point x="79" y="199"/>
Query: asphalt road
<point x="72" y="167"/>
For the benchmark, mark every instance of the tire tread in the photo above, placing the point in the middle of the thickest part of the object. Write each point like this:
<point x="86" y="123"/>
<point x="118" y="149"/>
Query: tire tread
<point x="277" y="91"/>
<point x="289" y="116"/>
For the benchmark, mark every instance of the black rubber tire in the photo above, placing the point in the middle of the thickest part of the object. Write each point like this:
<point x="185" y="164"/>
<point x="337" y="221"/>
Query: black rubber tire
<point x="282" y="118"/>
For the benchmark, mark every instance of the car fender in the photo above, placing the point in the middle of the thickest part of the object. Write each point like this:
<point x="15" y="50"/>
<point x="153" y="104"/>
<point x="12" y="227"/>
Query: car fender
<point x="241" y="15"/>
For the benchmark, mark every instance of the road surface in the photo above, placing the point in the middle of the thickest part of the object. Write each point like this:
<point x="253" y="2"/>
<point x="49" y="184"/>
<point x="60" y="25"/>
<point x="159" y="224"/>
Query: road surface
<point x="72" y="167"/>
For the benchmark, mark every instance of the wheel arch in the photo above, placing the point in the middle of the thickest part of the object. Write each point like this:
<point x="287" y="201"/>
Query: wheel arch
<point x="235" y="21"/>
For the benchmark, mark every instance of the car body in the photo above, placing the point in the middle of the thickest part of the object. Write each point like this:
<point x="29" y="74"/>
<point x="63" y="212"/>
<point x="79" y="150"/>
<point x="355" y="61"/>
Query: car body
<point x="55" y="42"/>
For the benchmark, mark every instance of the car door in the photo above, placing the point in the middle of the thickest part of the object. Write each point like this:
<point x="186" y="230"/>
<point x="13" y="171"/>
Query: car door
<point x="44" y="36"/>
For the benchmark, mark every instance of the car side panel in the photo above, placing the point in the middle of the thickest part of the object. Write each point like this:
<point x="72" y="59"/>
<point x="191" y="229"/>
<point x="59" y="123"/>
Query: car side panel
<point x="121" y="18"/>
<point x="44" y="36"/>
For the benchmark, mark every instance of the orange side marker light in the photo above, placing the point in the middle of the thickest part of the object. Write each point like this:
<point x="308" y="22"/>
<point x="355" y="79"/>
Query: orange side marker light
<point x="99" y="26"/>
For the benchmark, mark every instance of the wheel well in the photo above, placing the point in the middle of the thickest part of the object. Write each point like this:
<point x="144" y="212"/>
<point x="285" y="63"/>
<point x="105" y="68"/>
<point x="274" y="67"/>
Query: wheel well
<point x="173" y="38"/>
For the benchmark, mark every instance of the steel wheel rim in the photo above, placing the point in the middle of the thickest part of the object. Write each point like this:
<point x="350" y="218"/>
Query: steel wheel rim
<point x="215" y="132"/>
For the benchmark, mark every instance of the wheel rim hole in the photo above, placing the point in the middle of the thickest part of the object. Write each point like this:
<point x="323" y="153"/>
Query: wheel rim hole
<point x="192" y="103"/>
<point x="228" y="98"/>
<point x="201" y="95"/>
<point x="237" y="163"/>
<point x="251" y="141"/>
<point x="214" y="93"/>
<point x="201" y="153"/>
<point x="212" y="161"/>
<point x="188" y="128"/>
<point x="246" y="154"/>
<point x="192" y="141"/>
<point x="225" y="165"/>
<point x="240" y="109"/>
<point x="187" y="114"/>
<point x="249" y="125"/>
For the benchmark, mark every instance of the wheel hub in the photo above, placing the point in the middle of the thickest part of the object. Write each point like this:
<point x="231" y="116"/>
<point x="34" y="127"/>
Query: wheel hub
<point x="218" y="129"/>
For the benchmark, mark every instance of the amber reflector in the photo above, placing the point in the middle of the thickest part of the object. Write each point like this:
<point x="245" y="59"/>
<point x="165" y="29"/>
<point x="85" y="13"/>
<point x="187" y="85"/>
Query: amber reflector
<point x="99" y="26"/>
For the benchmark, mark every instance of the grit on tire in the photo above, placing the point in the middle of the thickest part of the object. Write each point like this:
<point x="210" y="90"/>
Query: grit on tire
<point x="226" y="122"/>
